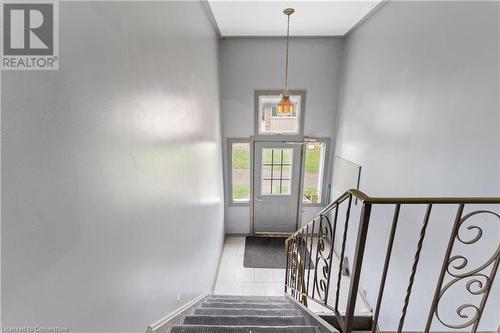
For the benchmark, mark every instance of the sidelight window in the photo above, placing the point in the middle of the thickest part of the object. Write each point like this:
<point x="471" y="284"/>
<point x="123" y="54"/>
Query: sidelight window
<point x="239" y="168"/>
<point x="314" y="172"/>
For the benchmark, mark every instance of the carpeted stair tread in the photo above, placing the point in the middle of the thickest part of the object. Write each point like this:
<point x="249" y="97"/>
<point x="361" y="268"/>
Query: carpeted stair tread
<point x="281" y="298"/>
<point x="242" y="329"/>
<point x="247" y="300"/>
<point x="247" y="305"/>
<point x="244" y="312"/>
<point x="245" y="320"/>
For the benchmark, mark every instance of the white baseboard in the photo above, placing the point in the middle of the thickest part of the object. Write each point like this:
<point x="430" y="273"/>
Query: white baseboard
<point x="162" y="325"/>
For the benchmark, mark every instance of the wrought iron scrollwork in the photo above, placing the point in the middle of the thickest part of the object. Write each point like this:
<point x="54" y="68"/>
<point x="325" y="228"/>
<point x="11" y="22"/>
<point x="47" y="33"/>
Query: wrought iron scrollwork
<point x="300" y="258"/>
<point x="313" y="244"/>
<point x="296" y="276"/>
<point x="477" y="282"/>
<point x="323" y="261"/>
<point x="292" y="265"/>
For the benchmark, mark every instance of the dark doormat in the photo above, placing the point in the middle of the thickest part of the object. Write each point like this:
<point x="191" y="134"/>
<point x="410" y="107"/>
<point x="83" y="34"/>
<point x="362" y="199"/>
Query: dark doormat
<point x="268" y="252"/>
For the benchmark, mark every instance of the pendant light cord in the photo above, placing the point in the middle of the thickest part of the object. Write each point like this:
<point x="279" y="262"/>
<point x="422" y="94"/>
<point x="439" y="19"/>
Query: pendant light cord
<point x="286" y="59"/>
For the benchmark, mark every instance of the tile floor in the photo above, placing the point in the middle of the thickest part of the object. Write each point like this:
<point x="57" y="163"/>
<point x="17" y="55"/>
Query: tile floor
<point x="234" y="279"/>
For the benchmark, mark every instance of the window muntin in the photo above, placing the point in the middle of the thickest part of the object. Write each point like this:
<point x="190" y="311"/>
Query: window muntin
<point x="272" y="122"/>
<point x="276" y="171"/>
<point x="314" y="172"/>
<point x="240" y="172"/>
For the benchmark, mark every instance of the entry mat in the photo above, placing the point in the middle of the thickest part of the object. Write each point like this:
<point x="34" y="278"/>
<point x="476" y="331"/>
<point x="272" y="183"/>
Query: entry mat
<point x="269" y="252"/>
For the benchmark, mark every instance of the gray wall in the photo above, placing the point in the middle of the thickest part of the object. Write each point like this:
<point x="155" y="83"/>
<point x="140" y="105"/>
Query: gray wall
<point x="111" y="170"/>
<point x="419" y="111"/>
<point x="248" y="64"/>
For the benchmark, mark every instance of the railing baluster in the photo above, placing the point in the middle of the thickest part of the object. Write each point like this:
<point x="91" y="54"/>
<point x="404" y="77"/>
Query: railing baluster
<point x="386" y="267"/>
<point x="344" y="239"/>
<point x="451" y="241"/>
<point x="308" y="266"/>
<point x="359" y="253"/>
<point x="414" y="268"/>
<point x="287" y="258"/>
<point x="297" y="269"/>
<point x="306" y="260"/>
<point x="292" y="268"/>
<point x="317" y="254"/>
<point x="332" y="242"/>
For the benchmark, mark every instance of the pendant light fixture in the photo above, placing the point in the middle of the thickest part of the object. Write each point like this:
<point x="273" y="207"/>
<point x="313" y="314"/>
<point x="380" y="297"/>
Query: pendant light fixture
<point x="286" y="105"/>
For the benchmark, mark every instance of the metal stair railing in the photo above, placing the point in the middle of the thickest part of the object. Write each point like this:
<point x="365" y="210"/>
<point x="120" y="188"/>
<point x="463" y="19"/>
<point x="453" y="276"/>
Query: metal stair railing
<point x="311" y="250"/>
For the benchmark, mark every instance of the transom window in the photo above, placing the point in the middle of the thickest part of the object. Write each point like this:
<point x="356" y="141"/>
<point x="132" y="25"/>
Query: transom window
<point x="276" y="171"/>
<point x="270" y="121"/>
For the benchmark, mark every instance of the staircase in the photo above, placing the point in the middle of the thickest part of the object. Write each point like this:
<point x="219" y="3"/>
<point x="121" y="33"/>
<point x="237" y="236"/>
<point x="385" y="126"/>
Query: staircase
<point x="248" y="314"/>
<point x="325" y="237"/>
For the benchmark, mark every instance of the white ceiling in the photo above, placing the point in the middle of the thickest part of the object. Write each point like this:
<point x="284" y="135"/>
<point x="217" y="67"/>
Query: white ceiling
<point x="311" y="18"/>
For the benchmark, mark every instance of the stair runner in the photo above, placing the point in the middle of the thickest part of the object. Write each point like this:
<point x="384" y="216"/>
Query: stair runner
<point x="248" y="314"/>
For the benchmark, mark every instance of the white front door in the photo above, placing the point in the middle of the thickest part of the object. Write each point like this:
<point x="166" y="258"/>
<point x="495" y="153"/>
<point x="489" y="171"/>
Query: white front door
<point x="276" y="186"/>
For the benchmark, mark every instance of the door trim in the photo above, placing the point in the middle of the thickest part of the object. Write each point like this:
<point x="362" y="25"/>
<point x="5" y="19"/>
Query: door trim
<point x="298" y="213"/>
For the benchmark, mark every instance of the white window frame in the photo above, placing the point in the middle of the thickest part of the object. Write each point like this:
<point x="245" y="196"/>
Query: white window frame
<point x="325" y="181"/>
<point x="258" y="93"/>
<point x="229" y="151"/>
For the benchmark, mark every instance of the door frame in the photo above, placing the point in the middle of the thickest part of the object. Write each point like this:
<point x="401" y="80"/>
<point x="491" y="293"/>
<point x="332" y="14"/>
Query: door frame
<point x="277" y="138"/>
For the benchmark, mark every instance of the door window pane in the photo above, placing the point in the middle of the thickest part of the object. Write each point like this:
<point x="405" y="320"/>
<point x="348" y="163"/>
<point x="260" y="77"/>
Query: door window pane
<point x="313" y="177"/>
<point x="266" y="186"/>
<point x="276" y="171"/>
<point x="273" y="122"/>
<point x="240" y="173"/>
<point x="283" y="187"/>
<point x="286" y="172"/>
